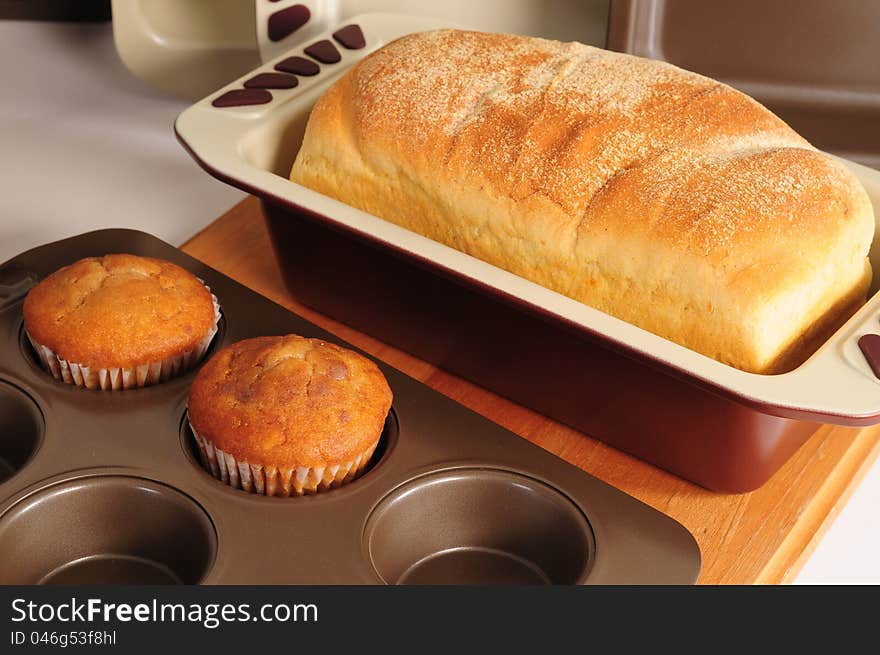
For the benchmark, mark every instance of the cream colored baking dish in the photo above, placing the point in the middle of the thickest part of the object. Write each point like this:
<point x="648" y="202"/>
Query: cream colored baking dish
<point x="252" y="147"/>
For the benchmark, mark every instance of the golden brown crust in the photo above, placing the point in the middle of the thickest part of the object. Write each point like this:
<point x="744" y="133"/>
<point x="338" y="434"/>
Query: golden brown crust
<point x="289" y="401"/>
<point x="654" y="194"/>
<point x="119" y="311"/>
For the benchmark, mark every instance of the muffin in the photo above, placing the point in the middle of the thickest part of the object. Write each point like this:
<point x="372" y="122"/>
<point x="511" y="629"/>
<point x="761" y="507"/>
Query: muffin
<point x="120" y="321"/>
<point x="287" y="415"/>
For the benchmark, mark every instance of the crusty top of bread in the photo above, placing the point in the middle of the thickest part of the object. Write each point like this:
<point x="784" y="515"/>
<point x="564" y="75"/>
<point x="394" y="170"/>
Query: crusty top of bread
<point x="289" y="401"/>
<point x="119" y="311"/>
<point x="571" y="165"/>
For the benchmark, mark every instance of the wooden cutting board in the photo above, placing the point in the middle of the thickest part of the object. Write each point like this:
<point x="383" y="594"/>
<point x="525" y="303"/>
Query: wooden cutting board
<point x="760" y="537"/>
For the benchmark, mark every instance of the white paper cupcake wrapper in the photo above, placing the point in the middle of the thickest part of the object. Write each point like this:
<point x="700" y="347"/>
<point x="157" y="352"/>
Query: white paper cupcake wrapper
<point x="274" y="481"/>
<point x="107" y="379"/>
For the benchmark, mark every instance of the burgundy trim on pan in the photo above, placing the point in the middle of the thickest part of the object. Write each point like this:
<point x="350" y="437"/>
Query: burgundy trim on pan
<point x="285" y="22"/>
<point x="242" y="97"/>
<point x="351" y="37"/>
<point x="324" y="51"/>
<point x="606" y="341"/>
<point x="271" y="81"/>
<point x="298" y="66"/>
<point x="870" y="347"/>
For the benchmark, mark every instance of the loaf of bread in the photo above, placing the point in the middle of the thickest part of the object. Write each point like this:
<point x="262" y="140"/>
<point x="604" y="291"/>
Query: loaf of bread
<point x="659" y="196"/>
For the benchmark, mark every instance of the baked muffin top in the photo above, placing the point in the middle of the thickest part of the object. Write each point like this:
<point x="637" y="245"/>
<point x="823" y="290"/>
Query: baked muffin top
<point x="289" y="401"/>
<point x="119" y="311"/>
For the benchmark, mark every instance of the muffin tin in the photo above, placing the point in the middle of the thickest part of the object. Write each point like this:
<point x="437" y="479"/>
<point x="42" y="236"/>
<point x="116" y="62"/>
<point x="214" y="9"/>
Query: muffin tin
<point x="107" y="487"/>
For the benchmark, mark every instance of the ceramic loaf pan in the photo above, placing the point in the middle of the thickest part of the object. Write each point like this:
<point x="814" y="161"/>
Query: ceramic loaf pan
<point x="721" y="427"/>
<point x="106" y="486"/>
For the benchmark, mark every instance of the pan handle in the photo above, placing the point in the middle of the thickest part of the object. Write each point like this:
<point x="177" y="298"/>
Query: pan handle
<point x="840" y="383"/>
<point x="284" y="24"/>
<point x="240" y="106"/>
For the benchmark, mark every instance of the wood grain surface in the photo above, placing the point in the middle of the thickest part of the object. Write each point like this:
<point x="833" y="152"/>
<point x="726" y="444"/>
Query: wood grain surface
<point x="758" y="537"/>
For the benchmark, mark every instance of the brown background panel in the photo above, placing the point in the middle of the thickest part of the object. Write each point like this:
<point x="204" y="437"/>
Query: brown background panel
<point x="813" y="62"/>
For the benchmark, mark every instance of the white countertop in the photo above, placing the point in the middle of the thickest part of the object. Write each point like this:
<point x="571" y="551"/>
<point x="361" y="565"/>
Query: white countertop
<point x="86" y="146"/>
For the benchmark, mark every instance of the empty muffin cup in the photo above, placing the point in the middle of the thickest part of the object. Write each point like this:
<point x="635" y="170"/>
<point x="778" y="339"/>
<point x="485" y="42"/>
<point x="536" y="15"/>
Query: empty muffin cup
<point x="478" y="526"/>
<point x="21" y="428"/>
<point x="106" y="530"/>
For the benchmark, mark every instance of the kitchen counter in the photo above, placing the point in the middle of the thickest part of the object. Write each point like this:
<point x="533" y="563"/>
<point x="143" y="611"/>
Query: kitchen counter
<point x="85" y="146"/>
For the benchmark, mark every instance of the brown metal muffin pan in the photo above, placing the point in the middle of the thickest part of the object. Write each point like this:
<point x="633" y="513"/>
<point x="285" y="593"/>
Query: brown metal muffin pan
<point x="106" y="486"/>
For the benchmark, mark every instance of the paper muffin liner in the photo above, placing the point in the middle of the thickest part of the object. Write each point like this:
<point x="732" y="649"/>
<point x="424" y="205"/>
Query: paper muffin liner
<point x="279" y="481"/>
<point x="107" y="379"/>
